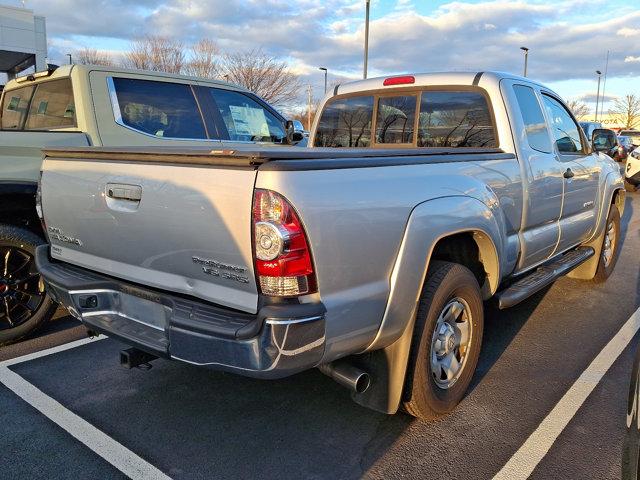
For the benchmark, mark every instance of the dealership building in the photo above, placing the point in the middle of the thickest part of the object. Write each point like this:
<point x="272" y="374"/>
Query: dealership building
<point x="23" y="41"/>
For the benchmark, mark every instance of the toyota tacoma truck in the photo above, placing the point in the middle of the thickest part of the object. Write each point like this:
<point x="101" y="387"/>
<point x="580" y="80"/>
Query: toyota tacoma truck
<point x="81" y="105"/>
<point x="368" y="256"/>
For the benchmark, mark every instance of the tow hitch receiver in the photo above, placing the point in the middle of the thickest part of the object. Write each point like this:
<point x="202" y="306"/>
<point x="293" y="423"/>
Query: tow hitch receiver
<point x="134" y="358"/>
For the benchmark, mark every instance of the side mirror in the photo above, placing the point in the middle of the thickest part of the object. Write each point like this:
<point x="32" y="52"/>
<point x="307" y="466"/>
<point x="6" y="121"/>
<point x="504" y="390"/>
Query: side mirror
<point x="295" y="132"/>
<point x="603" y="140"/>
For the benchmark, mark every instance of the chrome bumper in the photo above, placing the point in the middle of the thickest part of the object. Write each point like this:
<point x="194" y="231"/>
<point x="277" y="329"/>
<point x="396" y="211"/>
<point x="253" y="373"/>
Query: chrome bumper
<point x="279" y="341"/>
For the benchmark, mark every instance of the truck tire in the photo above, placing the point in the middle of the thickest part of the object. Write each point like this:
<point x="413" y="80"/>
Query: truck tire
<point x="446" y="341"/>
<point x="24" y="304"/>
<point x="610" y="247"/>
<point x="628" y="186"/>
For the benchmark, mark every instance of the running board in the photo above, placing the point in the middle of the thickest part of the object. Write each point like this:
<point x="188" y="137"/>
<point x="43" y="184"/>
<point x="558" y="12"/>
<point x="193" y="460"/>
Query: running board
<point x="542" y="276"/>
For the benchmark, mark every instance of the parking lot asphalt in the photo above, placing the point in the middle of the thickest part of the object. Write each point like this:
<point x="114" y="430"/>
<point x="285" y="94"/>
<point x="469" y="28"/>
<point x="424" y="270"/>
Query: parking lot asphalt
<point x="191" y="422"/>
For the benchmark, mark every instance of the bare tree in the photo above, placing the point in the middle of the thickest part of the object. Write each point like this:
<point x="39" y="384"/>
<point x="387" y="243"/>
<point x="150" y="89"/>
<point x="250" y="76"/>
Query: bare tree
<point x="263" y="74"/>
<point x="91" y="56"/>
<point x="578" y="108"/>
<point x="626" y="111"/>
<point x="204" y="60"/>
<point x="156" y="53"/>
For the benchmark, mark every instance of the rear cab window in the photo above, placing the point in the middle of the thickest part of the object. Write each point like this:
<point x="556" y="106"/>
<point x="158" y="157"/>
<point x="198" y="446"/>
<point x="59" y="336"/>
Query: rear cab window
<point x="448" y="117"/>
<point x="52" y="106"/>
<point x="15" y="106"/>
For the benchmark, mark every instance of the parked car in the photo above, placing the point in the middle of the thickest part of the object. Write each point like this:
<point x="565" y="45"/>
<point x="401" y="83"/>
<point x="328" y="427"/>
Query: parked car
<point x="606" y="141"/>
<point x="633" y="134"/>
<point x="626" y="143"/>
<point x="102" y="106"/>
<point x="632" y="171"/>
<point x="631" y="450"/>
<point x="368" y="256"/>
<point x="589" y="127"/>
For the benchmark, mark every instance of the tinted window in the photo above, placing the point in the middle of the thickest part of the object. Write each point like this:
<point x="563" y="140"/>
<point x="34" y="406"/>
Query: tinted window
<point x="245" y="119"/>
<point x="160" y="109"/>
<point x="565" y="130"/>
<point x="52" y="106"/>
<point x="455" y="119"/>
<point x="14" y="108"/>
<point x="345" y="122"/>
<point x="534" y="123"/>
<point x="395" y="119"/>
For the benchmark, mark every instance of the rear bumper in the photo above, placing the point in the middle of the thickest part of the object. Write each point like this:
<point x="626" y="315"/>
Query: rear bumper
<point x="278" y="341"/>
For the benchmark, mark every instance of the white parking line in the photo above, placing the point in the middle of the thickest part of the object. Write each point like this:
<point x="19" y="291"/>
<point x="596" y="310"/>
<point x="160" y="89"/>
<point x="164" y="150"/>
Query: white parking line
<point x="525" y="460"/>
<point x="106" y="447"/>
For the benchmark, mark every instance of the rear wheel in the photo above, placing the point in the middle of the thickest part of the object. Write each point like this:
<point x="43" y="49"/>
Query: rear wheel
<point x="446" y="341"/>
<point x="610" y="247"/>
<point x="24" y="304"/>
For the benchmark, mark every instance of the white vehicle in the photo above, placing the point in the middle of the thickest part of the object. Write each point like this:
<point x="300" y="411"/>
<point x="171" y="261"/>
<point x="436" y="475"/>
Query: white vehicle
<point x="632" y="171"/>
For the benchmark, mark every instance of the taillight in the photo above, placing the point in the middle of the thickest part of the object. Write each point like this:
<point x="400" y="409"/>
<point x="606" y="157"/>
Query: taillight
<point x="39" y="205"/>
<point x="282" y="256"/>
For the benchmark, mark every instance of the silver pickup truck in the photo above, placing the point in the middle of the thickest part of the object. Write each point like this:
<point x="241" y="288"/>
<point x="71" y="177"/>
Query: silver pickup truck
<point x="368" y="256"/>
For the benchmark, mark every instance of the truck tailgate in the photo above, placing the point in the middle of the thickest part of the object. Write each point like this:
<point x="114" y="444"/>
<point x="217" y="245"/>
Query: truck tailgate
<point x="184" y="228"/>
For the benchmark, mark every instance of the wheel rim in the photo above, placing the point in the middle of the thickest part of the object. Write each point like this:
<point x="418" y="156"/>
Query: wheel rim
<point x="21" y="288"/>
<point x="450" y="342"/>
<point x="610" y="239"/>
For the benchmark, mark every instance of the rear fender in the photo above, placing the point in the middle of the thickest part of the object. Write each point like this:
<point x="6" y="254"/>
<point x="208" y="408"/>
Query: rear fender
<point x="429" y="222"/>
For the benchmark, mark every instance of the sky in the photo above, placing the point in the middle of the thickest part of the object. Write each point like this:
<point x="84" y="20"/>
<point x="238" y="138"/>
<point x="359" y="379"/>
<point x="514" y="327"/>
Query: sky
<point x="568" y="39"/>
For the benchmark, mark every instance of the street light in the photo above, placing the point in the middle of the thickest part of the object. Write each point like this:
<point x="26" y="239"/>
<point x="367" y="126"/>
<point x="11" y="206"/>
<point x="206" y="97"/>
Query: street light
<point x="366" y="38"/>
<point x="325" y="78"/>
<point x="526" y="58"/>
<point x="69" y="55"/>
<point x="598" y="94"/>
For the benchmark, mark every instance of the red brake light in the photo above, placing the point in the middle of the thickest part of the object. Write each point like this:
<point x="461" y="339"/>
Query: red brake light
<point x="282" y="254"/>
<point x="403" y="80"/>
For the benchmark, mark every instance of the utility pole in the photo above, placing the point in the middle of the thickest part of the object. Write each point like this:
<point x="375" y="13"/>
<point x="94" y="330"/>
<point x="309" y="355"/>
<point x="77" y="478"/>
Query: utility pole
<point x="69" y="55"/>
<point x="598" y="94"/>
<point x="309" y="107"/>
<point x="366" y="38"/>
<point x="604" y="83"/>
<point x="526" y="58"/>
<point x="325" y="78"/>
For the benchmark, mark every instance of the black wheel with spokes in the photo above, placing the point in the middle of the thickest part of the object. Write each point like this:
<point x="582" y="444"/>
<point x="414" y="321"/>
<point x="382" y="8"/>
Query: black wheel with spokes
<point x="24" y="304"/>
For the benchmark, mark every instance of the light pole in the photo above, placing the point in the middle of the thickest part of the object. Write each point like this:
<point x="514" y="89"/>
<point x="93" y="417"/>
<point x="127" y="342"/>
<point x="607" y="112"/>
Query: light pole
<point x="598" y="94"/>
<point x="526" y="58"/>
<point x="324" y="69"/>
<point x="366" y="38"/>
<point x="69" y="55"/>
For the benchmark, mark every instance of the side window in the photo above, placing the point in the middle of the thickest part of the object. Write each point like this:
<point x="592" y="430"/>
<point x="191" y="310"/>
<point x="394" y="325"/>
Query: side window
<point x="245" y="119"/>
<point x="395" y="119"/>
<point x="52" y="106"/>
<point x="14" y="107"/>
<point x="455" y="119"/>
<point x="345" y="122"/>
<point x="161" y="109"/>
<point x="534" y="123"/>
<point x="565" y="131"/>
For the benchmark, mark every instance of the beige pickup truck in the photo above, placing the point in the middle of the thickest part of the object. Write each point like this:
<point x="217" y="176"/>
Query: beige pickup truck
<point x="78" y="105"/>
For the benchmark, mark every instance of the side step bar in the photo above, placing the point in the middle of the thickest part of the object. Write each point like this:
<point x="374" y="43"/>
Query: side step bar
<point x="542" y="276"/>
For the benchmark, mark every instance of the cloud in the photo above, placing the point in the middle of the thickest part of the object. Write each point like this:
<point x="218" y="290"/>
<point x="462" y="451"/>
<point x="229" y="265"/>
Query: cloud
<point x="628" y="32"/>
<point x="590" y="97"/>
<point x="459" y="35"/>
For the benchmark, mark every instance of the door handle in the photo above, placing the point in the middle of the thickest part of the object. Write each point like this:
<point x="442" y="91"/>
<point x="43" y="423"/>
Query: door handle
<point x="119" y="191"/>
<point x="568" y="174"/>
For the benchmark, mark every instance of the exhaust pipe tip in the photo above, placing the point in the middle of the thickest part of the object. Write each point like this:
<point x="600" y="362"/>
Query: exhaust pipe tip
<point x="347" y="375"/>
